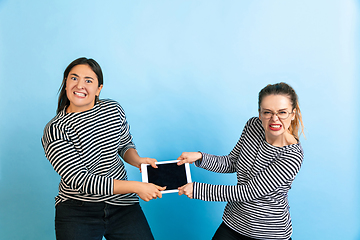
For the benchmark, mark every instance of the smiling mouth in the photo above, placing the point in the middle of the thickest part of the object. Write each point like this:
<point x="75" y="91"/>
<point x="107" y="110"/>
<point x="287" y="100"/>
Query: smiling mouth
<point x="80" y="94"/>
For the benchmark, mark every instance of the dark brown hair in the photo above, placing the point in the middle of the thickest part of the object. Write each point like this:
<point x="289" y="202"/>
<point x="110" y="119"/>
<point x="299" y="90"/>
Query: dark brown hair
<point x="63" y="101"/>
<point x="296" y="126"/>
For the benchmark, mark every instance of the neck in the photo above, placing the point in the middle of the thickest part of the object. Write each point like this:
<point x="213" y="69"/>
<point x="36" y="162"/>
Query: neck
<point x="282" y="140"/>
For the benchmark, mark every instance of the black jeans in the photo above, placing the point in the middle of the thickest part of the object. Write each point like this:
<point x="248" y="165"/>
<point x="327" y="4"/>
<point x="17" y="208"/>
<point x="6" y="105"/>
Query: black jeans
<point x="78" y="220"/>
<point x="226" y="233"/>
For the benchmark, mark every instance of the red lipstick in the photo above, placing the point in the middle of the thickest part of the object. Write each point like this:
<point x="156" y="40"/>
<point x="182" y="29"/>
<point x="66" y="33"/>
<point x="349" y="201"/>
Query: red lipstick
<point x="275" y="127"/>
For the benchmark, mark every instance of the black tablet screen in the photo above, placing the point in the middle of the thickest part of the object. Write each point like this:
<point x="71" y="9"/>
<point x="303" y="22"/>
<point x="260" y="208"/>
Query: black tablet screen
<point x="170" y="175"/>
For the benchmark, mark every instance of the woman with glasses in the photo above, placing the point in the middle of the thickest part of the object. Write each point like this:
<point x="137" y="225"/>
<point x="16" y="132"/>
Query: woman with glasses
<point x="266" y="158"/>
<point x="84" y="143"/>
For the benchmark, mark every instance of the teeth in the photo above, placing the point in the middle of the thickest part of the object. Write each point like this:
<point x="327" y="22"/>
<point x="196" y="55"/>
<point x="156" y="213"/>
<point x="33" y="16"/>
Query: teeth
<point x="80" y="94"/>
<point x="275" y="126"/>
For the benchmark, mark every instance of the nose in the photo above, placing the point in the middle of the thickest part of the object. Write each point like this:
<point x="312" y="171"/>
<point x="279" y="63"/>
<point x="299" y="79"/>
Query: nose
<point x="274" y="116"/>
<point x="79" y="85"/>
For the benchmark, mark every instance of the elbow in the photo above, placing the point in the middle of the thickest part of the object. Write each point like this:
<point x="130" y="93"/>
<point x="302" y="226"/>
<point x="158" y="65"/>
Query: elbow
<point x="75" y="182"/>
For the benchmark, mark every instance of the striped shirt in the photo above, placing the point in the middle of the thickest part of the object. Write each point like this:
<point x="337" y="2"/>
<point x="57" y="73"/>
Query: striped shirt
<point x="85" y="148"/>
<point x="258" y="205"/>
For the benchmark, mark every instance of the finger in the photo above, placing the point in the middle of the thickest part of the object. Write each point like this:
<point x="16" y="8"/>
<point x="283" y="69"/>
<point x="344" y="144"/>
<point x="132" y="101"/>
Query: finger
<point x="158" y="194"/>
<point x="180" y="162"/>
<point x="180" y="192"/>
<point x="153" y="164"/>
<point x="160" y="188"/>
<point x="146" y="197"/>
<point x="181" y="157"/>
<point x="184" y="160"/>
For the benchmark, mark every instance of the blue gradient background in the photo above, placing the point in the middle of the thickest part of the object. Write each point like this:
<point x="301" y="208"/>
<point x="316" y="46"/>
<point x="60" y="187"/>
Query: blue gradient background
<point x="187" y="74"/>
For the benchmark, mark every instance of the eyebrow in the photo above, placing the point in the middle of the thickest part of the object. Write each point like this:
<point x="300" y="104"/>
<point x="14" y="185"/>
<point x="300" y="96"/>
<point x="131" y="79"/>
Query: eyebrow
<point x="278" y="109"/>
<point x="78" y="76"/>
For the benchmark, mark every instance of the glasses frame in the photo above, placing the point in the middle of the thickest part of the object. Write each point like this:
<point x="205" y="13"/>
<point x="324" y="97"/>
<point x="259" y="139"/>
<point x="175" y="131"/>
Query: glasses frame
<point x="276" y="113"/>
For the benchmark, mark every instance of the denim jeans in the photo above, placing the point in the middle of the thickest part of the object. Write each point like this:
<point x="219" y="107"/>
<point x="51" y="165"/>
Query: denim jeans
<point x="79" y="220"/>
<point x="226" y="233"/>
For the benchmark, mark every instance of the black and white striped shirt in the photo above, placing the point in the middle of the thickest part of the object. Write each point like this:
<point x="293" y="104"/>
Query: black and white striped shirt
<point x="85" y="148"/>
<point x="258" y="205"/>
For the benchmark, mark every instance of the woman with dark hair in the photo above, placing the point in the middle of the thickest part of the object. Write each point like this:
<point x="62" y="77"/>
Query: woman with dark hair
<point x="84" y="143"/>
<point x="266" y="158"/>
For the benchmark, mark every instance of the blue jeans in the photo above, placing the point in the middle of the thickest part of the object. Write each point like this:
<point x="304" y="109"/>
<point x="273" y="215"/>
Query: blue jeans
<point x="79" y="220"/>
<point x="226" y="233"/>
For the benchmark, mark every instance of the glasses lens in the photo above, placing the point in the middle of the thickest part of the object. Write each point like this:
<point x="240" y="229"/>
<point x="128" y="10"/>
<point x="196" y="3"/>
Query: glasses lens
<point x="283" y="115"/>
<point x="266" y="114"/>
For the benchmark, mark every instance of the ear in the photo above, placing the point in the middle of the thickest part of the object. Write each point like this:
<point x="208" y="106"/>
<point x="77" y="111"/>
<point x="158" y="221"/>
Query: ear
<point x="99" y="90"/>
<point x="294" y="112"/>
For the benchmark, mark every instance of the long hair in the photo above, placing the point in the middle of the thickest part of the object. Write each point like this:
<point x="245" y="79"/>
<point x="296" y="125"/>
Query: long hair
<point x="297" y="126"/>
<point x="63" y="101"/>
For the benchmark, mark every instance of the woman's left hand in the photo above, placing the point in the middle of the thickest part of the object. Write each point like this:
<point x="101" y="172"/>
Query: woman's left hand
<point x="150" y="161"/>
<point x="132" y="157"/>
<point x="187" y="189"/>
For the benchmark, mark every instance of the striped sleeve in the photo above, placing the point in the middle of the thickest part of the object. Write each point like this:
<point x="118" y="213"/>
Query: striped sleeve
<point x="126" y="137"/>
<point x="278" y="173"/>
<point x="222" y="164"/>
<point x="67" y="162"/>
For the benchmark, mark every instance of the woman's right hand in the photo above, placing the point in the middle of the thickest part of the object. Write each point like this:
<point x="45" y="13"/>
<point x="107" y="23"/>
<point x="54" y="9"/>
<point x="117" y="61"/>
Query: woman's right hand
<point x="189" y="157"/>
<point x="148" y="191"/>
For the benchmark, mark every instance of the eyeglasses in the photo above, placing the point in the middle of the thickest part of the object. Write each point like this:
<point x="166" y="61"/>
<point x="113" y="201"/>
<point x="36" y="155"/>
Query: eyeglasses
<point x="282" y="114"/>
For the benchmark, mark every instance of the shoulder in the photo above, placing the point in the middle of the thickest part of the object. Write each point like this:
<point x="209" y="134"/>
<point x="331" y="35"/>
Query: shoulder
<point x="110" y="104"/>
<point x="111" y="108"/>
<point x="294" y="152"/>
<point x="253" y="125"/>
<point x="55" y="121"/>
<point x="54" y="129"/>
<point x="296" y="149"/>
<point x="254" y="121"/>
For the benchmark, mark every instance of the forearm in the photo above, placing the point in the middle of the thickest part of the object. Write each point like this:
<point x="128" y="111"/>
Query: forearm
<point x="224" y="193"/>
<point x="146" y="191"/>
<point x="132" y="157"/>
<point x="220" y="164"/>
<point x="124" y="187"/>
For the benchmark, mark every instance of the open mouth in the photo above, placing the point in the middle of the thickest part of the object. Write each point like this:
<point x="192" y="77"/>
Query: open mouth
<point x="275" y="127"/>
<point x="80" y="94"/>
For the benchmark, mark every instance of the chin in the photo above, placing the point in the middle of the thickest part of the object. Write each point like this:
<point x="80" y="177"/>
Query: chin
<point x="275" y="134"/>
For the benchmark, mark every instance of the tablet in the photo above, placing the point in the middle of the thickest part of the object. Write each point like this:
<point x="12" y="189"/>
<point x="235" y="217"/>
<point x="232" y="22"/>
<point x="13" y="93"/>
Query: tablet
<point x="167" y="174"/>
